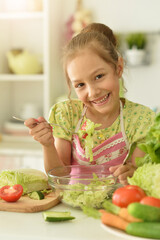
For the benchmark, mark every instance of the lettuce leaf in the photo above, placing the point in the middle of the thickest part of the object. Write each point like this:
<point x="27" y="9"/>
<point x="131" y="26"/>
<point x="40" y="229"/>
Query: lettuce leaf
<point x="91" y="195"/>
<point x="151" y="146"/>
<point x="30" y="179"/>
<point x="148" y="178"/>
<point x="87" y="130"/>
<point x="91" y="212"/>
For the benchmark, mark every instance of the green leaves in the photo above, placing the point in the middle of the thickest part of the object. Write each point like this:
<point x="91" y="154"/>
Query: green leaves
<point x="151" y="146"/>
<point x="86" y="132"/>
<point x="148" y="178"/>
<point x="137" y="40"/>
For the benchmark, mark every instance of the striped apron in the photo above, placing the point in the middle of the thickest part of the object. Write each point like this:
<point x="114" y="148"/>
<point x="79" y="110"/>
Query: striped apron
<point x="112" y="151"/>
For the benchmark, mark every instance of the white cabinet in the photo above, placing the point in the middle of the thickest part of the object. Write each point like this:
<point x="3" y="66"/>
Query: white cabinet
<point x="30" y="30"/>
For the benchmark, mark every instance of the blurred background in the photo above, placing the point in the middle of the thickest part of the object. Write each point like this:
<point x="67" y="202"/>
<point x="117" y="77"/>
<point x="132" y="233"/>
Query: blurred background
<point x="33" y="33"/>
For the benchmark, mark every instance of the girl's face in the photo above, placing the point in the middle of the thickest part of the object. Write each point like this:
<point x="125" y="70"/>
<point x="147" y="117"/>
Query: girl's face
<point x="95" y="81"/>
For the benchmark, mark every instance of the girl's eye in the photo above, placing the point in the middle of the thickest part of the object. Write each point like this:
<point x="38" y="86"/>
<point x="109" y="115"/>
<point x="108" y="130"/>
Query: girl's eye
<point x="99" y="76"/>
<point x="79" y="85"/>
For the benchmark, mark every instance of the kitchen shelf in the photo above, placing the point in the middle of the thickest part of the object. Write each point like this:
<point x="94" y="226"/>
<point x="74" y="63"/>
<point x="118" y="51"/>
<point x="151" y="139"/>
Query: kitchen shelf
<point x="22" y="15"/>
<point x="6" y="138"/>
<point x="20" y="153"/>
<point x="14" y="77"/>
<point x="29" y="31"/>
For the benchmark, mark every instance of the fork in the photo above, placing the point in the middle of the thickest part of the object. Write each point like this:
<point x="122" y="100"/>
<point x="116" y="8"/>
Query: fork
<point x="52" y="124"/>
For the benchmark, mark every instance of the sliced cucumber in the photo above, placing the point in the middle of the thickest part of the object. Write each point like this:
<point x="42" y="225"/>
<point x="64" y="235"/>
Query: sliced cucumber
<point x="37" y="195"/>
<point x="51" y="216"/>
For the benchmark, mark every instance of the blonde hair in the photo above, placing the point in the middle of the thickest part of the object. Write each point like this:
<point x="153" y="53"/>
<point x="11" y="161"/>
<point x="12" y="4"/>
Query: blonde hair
<point x="97" y="37"/>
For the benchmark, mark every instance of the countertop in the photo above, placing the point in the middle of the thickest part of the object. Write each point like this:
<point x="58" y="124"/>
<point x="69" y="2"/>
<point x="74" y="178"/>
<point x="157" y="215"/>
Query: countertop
<point x="31" y="226"/>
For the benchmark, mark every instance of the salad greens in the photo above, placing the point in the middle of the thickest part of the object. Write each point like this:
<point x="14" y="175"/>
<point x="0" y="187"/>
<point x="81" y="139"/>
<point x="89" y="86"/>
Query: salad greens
<point x="86" y="132"/>
<point x="91" y="212"/>
<point x="151" y="146"/>
<point x="91" y="195"/>
<point x="30" y="179"/>
<point x="148" y="178"/>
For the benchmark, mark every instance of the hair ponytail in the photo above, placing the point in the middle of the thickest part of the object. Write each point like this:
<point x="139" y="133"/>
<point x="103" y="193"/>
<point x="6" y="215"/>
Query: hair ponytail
<point x="101" y="28"/>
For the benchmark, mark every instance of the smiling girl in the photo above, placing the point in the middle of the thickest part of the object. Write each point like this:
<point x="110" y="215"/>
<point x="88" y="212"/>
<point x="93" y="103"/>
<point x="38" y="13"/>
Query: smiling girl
<point x="93" y="67"/>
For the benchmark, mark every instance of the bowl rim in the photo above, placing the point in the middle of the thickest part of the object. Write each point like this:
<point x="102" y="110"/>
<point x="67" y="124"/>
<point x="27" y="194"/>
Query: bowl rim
<point x="80" y="166"/>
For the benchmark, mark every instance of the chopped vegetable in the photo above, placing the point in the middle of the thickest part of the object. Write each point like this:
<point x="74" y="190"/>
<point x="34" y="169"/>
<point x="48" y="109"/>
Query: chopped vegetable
<point x="86" y="132"/>
<point x="91" y="195"/>
<point x="51" y="216"/>
<point x="91" y="212"/>
<point x="36" y="195"/>
<point x="46" y="191"/>
<point x="79" y="197"/>
<point x="30" y="179"/>
<point x="11" y="194"/>
<point x="148" y="178"/>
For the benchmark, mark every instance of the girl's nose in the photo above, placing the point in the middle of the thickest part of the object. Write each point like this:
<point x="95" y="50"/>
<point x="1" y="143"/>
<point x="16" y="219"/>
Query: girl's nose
<point x="92" y="91"/>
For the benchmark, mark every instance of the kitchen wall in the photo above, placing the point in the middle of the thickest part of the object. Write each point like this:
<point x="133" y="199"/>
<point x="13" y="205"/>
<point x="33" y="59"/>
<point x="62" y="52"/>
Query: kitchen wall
<point x="123" y="16"/>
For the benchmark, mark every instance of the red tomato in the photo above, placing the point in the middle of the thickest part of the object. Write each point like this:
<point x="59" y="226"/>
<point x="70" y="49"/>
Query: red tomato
<point x="85" y="135"/>
<point x="84" y="126"/>
<point x="152" y="201"/>
<point x="11" y="194"/>
<point x="123" y="196"/>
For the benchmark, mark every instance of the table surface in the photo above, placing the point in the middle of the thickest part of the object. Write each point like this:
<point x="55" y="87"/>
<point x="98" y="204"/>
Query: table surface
<point x="18" y="226"/>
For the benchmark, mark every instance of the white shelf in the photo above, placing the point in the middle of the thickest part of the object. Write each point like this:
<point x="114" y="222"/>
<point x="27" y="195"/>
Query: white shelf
<point x="31" y="31"/>
<point x="14" y="138"/>
<point x="21" y="15"/>
<point x="19" y="144"/>
<point x="14" y="77"/>
<point x="19" y="153"/>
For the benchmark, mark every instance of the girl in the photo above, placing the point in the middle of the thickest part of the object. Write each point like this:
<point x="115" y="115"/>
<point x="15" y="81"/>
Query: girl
<point x="93" y="67"/>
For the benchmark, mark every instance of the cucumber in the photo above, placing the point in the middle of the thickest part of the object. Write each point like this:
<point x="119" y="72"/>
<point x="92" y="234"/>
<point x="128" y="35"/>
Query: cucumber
<point x="37" y="195"/>
<point x="144" y="229"/>
<point x="145" y="212"/>
<point x="51" y="216"/>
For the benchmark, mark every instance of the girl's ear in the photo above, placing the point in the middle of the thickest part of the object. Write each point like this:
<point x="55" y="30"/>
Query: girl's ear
<point x="120" y="67"/>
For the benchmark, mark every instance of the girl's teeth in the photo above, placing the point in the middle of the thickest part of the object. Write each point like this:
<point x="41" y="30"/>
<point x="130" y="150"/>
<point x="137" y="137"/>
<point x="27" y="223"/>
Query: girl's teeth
<point x="103" y="99"/>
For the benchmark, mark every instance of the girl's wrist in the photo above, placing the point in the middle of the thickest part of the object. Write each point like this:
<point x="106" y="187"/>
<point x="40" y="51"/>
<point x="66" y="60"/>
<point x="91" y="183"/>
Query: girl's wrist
<point x="49" y="144"/>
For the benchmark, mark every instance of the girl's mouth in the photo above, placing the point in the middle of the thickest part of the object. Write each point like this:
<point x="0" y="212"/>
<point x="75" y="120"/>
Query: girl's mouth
<point x="101" y="101"/>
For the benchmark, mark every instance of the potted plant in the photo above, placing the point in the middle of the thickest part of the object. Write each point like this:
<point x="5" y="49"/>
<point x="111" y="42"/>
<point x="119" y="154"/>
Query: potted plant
<point x="136" y="48"/>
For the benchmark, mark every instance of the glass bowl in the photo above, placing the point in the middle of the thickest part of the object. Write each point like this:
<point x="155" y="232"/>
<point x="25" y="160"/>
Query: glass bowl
<point x="81" y="185"/>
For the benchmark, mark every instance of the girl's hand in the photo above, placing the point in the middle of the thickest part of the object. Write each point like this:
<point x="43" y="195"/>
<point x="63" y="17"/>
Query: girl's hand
<point x="122" y="172"/>
<point x="40" y="130"/>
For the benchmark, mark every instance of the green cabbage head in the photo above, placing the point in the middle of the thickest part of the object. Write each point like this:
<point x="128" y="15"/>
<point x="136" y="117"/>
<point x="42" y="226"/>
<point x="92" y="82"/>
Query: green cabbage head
<point x="148" y="178"/>
<point x="30" y="179"/>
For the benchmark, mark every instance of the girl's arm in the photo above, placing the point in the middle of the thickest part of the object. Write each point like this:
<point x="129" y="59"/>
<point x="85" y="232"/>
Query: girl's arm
<point x="57" y="152"/>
